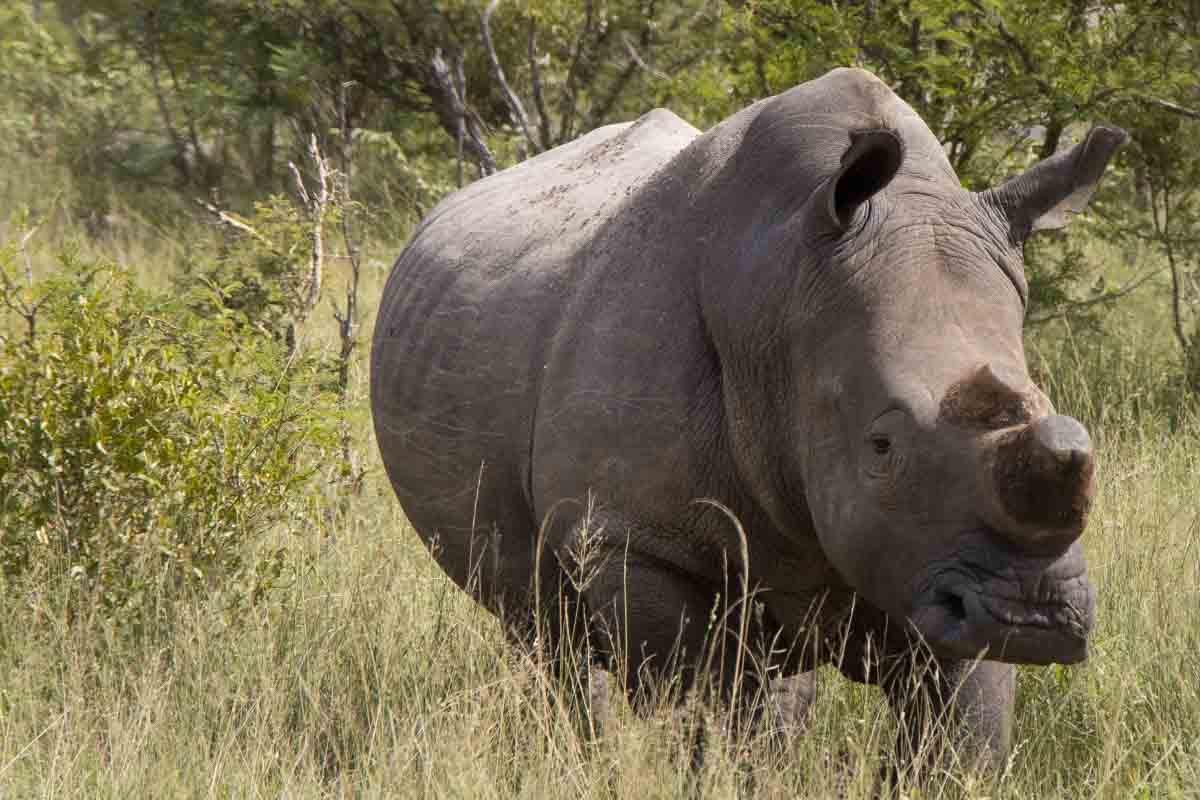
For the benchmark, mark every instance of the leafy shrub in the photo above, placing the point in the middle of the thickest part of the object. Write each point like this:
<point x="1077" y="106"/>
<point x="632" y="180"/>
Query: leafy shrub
<point x="147" y="443"/>
<point x="264" y="275"/>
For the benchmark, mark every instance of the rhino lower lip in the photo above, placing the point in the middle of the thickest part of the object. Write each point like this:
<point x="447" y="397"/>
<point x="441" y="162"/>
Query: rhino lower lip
<point x="967" y="623"/>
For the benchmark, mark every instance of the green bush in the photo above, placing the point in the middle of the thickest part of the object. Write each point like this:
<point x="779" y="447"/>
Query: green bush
<point x="264" y="276"/>
<point x="147" y="443"/>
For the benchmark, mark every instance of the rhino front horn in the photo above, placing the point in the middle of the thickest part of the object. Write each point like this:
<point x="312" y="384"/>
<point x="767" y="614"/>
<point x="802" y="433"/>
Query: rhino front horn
<point x="1044" y="477"/>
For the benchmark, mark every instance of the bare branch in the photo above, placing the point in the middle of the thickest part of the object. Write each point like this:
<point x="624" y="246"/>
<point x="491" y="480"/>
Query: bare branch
<point x="515" y="106"/>
<point x="347" y="320"/>
<point x="1163" y="230"/>
<point x="194" y="135"/>
<point x="181" y="161"/>
<point x="637" y="58"/>
<point x="13" y="298"/>
<point x="569" y="104"/>
<point x="450" y="102"/>
<point x="225" y="218"/>
<point x="1169" y="106"/>
<point x="604" y="105"/>
<point x="159" y="55"/>
<point x="301" y="189"/>
<point x="460" y="79"/>
<point x="316" y="205"/>
<point x="12" y="295"/>
<point x="24" y="247"/>
<point x="539" y="98"/>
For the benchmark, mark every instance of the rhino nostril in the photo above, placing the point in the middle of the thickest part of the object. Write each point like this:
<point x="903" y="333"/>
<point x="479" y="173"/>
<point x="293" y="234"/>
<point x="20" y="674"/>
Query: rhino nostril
<point x="955" y="605"/>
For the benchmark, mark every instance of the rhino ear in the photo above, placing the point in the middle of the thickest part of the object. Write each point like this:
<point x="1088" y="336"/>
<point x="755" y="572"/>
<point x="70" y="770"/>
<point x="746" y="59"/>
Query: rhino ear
<point x="868" y="165"/>
<point x="1041" y="197"/>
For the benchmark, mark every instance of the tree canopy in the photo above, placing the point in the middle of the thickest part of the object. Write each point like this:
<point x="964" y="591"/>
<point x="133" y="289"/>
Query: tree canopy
<point x="212" y="99"/>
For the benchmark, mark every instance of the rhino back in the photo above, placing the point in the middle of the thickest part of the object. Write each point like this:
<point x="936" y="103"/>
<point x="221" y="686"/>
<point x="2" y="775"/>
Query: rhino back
<point x="460" y="345"/>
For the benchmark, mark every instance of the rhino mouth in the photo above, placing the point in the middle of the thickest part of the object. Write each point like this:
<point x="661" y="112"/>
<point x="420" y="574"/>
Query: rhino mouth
<point x="1021" y="616"/>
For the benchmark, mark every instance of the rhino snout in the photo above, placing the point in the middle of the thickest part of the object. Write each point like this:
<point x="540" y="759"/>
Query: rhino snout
<point x="1014" y="605"/>
<point x="968" y="619"/>
<point x="1043" y="479"/>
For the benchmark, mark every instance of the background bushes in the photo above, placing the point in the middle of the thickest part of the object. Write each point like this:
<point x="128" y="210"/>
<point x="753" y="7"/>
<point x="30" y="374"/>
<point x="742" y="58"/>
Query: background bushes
<point x="147" y="444"/>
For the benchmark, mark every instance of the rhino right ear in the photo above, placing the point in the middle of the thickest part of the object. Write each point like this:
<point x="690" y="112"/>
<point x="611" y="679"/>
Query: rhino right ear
<point x="868" y="165"/>
<point x="1041" y="197"/>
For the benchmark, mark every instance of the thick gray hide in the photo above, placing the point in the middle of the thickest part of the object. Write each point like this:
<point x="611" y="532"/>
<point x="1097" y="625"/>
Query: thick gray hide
<point x="799" y="314"/>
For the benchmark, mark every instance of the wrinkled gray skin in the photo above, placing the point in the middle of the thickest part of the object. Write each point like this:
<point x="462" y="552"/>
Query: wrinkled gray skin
<point x="799" y="314"/>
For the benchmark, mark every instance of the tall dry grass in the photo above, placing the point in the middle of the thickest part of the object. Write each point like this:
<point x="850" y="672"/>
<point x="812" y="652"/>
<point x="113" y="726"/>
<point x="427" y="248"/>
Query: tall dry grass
<point x="372" y="676"/>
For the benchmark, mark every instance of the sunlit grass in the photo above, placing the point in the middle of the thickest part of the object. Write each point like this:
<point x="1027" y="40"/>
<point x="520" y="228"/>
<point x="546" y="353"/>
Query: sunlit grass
<point x="371" y="675"/>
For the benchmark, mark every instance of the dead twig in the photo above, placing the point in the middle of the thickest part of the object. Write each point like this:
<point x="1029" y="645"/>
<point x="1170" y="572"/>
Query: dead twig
<point x="539" y="97"/>
<point x="229" y="220"/>
<point x="515" y="107"/>
<point x="1167" y="105"/>
<point x="315" y="204"/>
<point x="22" y="302"/>
<point x="24" y="248"/>
<point x="568" y="105"/>
<point x="347" y="319"/>
<point x="450" y="93"/>
<point x="636" y="57"/>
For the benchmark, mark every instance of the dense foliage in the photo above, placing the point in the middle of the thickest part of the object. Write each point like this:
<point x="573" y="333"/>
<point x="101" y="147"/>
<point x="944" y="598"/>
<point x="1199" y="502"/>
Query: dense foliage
<point x="145" y="446"/>
<point x="150" y="105"/>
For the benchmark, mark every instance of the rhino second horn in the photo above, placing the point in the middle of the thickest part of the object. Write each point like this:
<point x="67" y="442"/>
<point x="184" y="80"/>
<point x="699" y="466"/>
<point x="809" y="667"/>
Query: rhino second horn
<point x="1044" y="477"/>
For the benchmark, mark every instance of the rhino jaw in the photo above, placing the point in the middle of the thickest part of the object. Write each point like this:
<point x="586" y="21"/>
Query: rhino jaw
<point x="1043" y="616"/>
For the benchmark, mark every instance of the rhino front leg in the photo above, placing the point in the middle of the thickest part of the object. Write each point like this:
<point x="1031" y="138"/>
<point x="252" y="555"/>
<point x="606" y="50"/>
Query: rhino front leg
<point x="952" y="713"/>
<point x="654" y="627"/>
<point x="650" y="624"/>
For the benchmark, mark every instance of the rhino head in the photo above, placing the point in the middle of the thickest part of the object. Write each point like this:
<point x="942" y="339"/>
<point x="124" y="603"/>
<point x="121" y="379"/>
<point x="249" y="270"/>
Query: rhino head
<point x="938" y="480"/>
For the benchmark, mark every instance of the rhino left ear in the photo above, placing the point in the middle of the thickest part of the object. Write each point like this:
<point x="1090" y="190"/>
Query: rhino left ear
<point x="869" y="164"/>
<point x="1041" y="197"/>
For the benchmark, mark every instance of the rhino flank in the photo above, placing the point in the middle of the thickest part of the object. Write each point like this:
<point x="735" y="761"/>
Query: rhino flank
<point x="801" y="315"/>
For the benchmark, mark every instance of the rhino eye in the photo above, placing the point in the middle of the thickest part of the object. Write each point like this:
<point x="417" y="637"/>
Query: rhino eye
<point x="882" y="445"/>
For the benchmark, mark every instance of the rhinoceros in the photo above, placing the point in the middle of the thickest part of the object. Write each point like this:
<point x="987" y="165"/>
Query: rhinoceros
<point x="800" y="316"/>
